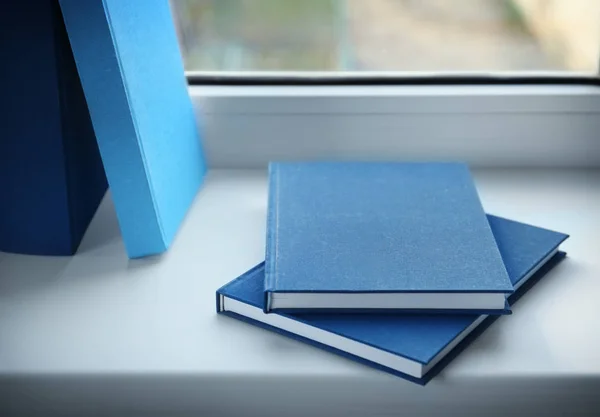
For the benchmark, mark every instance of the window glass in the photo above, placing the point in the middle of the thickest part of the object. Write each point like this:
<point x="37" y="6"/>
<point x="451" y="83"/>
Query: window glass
<point x="389" y="35"/>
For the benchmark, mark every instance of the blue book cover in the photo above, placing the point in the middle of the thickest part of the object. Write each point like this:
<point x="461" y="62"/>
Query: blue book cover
<point x="413" y="346"/>
<point x="379" y="236"/>
<point x="51" y="175"/>
<point x="130" y="66"/>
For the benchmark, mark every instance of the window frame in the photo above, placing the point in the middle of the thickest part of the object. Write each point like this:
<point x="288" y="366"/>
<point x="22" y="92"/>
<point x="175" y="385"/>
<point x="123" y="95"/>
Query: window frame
<point x="392" y="78"/>
<point x="487" y="120"/>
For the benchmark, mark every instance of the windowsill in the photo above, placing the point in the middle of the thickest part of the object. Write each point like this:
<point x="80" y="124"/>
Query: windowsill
<point x="99" y="314"/>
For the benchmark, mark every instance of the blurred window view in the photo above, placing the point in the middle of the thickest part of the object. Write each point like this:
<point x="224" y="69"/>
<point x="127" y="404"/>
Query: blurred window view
<point x="389" y="35"/>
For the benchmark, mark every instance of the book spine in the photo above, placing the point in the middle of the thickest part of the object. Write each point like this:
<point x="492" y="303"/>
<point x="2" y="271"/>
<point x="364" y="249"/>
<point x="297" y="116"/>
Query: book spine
<point x="114" y="123"/>
<point x="220" y="301"/>
<point x="272" y="232"/>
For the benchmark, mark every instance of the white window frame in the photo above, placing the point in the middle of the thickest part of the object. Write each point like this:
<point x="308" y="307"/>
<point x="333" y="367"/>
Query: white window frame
<point x="489" y="120"/>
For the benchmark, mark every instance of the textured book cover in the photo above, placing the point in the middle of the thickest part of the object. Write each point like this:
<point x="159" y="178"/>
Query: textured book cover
<point x="357" y="236"/>
<point x="128" y="59"/>
<point x="51" y="175"/>
<point x="413" y="346"/>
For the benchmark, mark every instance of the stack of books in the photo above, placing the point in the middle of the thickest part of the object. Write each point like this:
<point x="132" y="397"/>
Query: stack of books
<point x="395" y="265"/>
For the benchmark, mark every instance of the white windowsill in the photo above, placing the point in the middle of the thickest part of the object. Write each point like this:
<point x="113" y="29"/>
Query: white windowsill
<point x="144" y="335"/>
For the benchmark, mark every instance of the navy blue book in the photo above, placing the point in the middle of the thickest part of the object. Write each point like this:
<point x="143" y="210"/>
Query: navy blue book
<point x="51" y="175"/>
<point x="413" y="346"/>
<point x="380" y="236"/>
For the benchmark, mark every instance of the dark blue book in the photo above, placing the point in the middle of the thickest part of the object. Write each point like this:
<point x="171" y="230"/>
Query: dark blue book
<point x="380" y="236"/>
<point x="51" y="175"/>
<point x="131" y="70"/>
<point x="413" y="346"/>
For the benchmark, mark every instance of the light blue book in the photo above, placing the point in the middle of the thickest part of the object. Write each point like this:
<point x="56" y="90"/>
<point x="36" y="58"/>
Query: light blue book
<point x="128" y="59"/>
<point x="380" y="236"/>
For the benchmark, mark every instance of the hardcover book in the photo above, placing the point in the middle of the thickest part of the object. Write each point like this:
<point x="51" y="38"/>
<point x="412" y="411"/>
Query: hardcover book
<point x="130" y="66"/>
<point x="51" y="175"/>
<point x="380" y="236"/>
<point x="413" y="346"/>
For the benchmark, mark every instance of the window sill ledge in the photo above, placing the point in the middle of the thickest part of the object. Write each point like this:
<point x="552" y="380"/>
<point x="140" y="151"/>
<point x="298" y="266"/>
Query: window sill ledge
<point x="99" y="330"/>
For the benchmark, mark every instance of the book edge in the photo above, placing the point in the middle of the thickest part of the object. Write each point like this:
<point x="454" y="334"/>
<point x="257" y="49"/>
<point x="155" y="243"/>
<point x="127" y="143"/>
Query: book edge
<point x="270" y="281"/>
<point x="507" y="285"/>
<point x="361" y="360"/>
